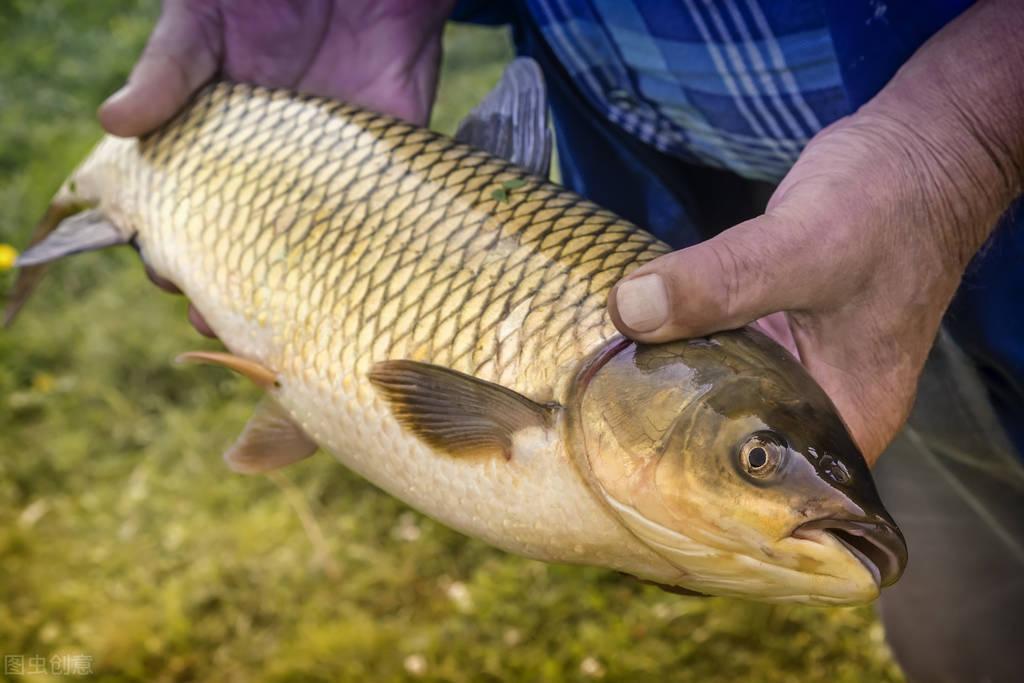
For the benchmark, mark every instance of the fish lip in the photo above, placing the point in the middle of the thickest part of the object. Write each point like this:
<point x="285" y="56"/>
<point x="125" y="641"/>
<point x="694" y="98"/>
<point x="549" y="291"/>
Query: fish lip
<point x="877" y="543"/>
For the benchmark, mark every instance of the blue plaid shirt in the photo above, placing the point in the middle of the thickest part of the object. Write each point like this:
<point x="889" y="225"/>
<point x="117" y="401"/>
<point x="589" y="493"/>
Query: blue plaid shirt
<point x="737" y="84"/>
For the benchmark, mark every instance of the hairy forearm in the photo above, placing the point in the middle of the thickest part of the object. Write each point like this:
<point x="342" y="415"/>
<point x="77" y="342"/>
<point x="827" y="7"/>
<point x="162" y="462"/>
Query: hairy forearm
<point x="958" y="104"/>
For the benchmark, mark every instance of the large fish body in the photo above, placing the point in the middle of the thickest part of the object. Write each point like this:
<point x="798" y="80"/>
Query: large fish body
<point x="318" y="239"/>
<point x="434" y="317"/>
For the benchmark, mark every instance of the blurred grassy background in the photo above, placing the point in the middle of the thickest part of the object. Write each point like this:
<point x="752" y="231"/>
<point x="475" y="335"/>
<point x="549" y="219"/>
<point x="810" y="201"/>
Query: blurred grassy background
<point x="124" y="538"/>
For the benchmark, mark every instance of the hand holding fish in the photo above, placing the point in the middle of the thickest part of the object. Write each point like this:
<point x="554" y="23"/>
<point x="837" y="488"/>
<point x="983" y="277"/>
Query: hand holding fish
<point x="383" y="55"/>
<point x="864" y="242"/>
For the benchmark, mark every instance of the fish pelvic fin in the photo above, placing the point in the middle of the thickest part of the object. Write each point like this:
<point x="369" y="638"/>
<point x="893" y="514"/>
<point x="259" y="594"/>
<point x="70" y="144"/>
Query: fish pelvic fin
<point x="270" y="440"/>
<point x="455" y="413"/>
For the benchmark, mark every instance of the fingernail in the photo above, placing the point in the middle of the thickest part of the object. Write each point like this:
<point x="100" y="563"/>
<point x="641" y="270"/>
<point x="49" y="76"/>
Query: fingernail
<point x="642" y="303"/>
<point x="116" y="96"/>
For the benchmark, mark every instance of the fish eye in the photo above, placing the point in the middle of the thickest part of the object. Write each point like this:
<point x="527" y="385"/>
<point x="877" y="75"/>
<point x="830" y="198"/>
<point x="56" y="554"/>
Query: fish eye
<point x="761" y="454"/>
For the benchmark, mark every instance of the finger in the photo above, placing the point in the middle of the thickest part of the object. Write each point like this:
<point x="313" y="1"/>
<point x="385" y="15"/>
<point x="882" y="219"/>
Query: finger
<point x="161" y="282"/>
<point x="181" y="55"/>
<point x="756" y="268"/>
<point x="199" y="322"/>
<point x="776" y="326"/>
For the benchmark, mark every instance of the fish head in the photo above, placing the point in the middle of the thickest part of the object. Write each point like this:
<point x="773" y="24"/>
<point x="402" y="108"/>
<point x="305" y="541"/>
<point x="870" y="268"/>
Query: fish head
<point x="725" y="458"/>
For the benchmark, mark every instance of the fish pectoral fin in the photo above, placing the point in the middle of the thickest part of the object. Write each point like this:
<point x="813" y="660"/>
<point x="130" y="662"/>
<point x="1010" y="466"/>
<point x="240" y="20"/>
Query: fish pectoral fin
<point x="261" y="375"/>
<point x="511" y="122"/>
<point x="270" y="440"/>
<point x="453" y="412"/>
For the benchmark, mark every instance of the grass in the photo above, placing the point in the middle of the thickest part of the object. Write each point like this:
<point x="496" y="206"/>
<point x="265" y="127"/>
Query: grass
<point x="124" y="538"/>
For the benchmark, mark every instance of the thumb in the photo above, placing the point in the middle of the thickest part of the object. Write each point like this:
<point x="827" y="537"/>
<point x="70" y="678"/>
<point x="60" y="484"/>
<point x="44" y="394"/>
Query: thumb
<point x="758" y="267"/>
<point x="182" y="54"/>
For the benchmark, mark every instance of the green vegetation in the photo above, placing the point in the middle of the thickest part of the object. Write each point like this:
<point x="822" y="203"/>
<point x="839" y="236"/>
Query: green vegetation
<point x="124" y="538"/>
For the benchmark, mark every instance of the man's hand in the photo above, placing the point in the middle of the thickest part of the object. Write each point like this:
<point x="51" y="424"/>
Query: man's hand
<point x="382" y="54"/>
<point x="864" y="242"/>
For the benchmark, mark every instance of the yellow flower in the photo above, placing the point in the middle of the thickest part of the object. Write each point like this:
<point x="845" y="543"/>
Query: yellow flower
<point x="8" y="255"/>
<point x="43" y="382"/>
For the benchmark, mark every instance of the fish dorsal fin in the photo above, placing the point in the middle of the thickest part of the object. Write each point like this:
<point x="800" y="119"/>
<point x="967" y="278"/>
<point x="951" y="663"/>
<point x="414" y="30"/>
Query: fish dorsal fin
<point x="88" y="230"/>
<point x="261" y="375"/>
<point x="456" y="413"/>
<point x="512" y="120"/>
<point x="269" y="441"/>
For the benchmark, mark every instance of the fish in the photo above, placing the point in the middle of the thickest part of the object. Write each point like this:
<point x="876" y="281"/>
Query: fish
<point x="431" y="310"/>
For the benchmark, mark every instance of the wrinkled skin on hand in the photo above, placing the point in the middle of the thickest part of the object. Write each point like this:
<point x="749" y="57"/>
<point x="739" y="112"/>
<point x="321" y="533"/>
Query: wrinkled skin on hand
<point x="864" y="242"/>
<point x="382" y="54"/>
<point x="862" y="302"/>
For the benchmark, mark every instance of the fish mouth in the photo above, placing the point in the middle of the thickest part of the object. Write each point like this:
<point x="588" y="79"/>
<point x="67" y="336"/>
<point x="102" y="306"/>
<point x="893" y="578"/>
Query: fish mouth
<point x="877" y="544"/>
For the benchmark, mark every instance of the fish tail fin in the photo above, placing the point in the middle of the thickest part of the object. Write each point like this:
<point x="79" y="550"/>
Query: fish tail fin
<point x="70" y="225"/>
<point x="30" y="276"/>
